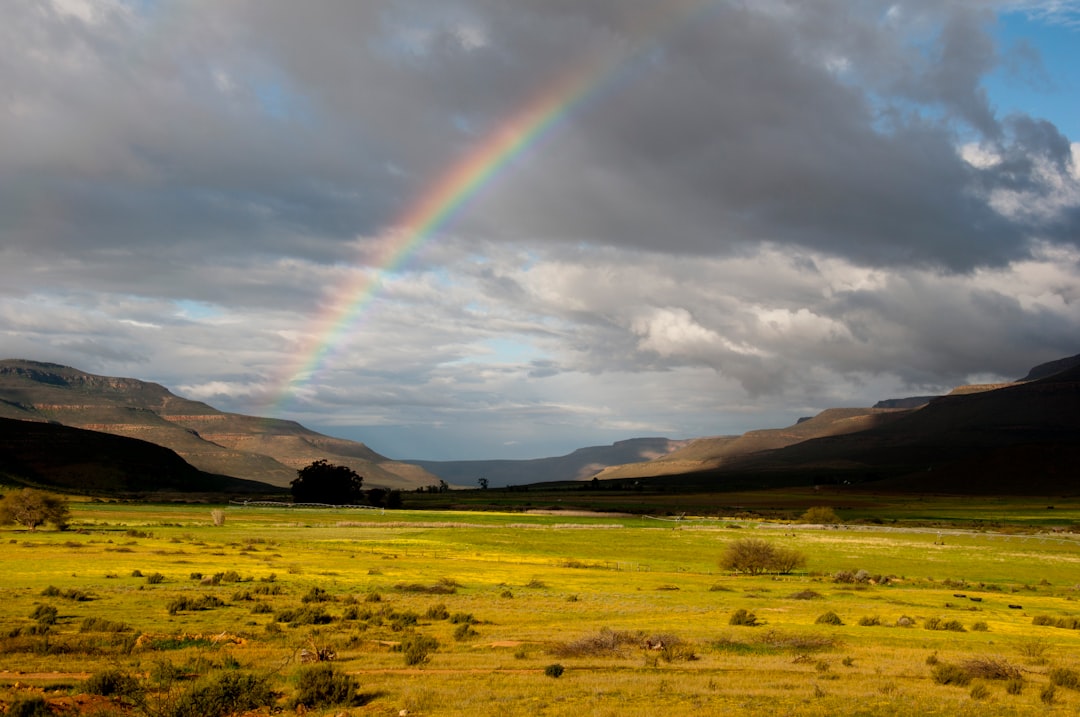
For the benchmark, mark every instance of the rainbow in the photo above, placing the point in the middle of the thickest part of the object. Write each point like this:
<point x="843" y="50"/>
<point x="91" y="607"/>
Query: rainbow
<point x="446" y="197"/>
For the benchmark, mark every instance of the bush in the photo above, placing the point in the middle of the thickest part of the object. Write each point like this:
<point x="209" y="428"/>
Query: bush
<point x="205" y="602"/>
<point x="33" y="706"/>
<point x="112" y="682"/>
<point x="229" y="692"/>
<point x="820" y="515"/>
<point x="754" y="556"/>
<point x="464" y="631"/>
<point x="155" y="578"/>
<point x="44" y="614"/>
<point x="869" y="621"/>
<point x="321" y="685"/>
<point x="418" y="648"/>
<point x="606" y="642"/>
<point x="31" y="508"/>
<point x="1064" y="677"/>
<point x="554" y="670"/>
<point x="100" y="624"/>
<point x="946" y="674"/>
<point x="303" y="616"/>
<point x="828" y="618"/>
<point x="743" y="617"/>
<point x="990" y="668"/>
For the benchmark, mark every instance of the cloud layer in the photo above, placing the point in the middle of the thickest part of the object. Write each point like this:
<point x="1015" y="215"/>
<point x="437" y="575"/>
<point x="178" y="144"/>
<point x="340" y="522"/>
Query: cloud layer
<point x="757" y="210"/>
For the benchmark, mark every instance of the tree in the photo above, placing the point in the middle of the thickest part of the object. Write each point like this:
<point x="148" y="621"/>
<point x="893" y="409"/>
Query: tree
<point x="754" y="556"/>
<point x="821" y="515"/>
<point x="323" y="482"/>
<point x="483" y="483"/>
<point x="32" y="508"/>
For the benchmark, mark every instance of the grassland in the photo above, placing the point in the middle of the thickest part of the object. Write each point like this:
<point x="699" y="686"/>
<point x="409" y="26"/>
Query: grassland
<point x="634" y="609"/>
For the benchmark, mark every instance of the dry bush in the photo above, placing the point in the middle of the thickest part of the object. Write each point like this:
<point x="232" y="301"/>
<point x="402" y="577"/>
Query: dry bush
<point x="605" y="643"/>
<point x="990" y="668"/>
<point x="806" y="595"/>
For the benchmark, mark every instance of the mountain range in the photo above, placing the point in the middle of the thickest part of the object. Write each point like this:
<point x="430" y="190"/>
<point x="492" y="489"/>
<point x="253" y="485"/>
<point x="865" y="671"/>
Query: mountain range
<point x="267" y="450"/>
<point x="1014" y="437"/>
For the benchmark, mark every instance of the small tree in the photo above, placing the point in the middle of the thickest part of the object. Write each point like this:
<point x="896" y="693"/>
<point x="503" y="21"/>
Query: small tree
<point x="821" y="515"/>
<point x="755" y="556"/>
<point x="323" y="482"/>
<point x="31" y="508"/>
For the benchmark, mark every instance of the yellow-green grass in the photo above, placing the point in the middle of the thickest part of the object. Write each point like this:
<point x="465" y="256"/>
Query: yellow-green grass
<point x="533" y="583"/>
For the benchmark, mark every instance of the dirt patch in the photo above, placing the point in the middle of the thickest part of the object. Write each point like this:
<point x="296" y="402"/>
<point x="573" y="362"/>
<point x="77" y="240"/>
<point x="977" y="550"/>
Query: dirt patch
<point x="37" y="676"/>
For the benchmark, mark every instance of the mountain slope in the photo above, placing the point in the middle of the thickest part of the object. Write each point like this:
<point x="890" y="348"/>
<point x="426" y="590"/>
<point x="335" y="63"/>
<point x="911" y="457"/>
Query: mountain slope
<point x="268" y="450"/>
<point x="48" y="455"/>
<point x="582" y="464"/>
<point x="708" y="453"/>
<point x="1020" y="439"/>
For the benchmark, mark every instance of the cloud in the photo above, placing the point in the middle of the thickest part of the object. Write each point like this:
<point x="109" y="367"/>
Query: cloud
<point x="754" y="209"/>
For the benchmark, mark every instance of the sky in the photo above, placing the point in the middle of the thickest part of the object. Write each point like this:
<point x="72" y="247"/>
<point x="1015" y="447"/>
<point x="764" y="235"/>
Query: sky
<point x="478" y="229"/>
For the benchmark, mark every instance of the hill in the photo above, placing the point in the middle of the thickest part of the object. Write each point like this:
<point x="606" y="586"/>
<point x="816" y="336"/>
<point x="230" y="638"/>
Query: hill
<point x="46" y="455"/>
<point x="260" y="449"/>
<point x="710" y="453"/>
<point x="1020" y="439"/>
<point x="581" y="464"/>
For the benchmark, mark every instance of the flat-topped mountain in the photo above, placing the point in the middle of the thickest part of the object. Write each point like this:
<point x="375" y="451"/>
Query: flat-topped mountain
<point x="261" y="449"/>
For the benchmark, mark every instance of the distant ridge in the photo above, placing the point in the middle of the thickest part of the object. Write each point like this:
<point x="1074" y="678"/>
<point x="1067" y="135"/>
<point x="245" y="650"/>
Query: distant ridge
<point x="581" y="464"/>
<point x="261" y="449"/>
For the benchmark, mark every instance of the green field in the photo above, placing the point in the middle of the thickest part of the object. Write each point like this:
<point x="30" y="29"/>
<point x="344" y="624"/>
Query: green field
<point x="635" y="610"/>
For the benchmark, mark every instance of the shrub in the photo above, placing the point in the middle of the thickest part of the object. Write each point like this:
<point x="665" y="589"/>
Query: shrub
<point x="820" y="515"/>
<point x="417" y="648"/>
<point x="869" y="621"/>
<point x="31" y="508"/>
<point x="227" y="693"/>
<point x="979" y="691"/>
<point x="205" y="602"/>
<point x="33" y="706"/>
<point x="218" y="517"/>
<point x="754" y="556"/>
<point x="316" y="594"/>
<point x="462" y="617"/>
<point x="155" y="578"/>
<point x="100" y="624"/>
<point x="437" y="612"/>
<point x="946" y="674"/>
<point x="303" y="616"/>
<point x="112" y="682"/>
<point x="743" y="617"/>
<point x="44" y="614"/>
<point x="464" y="631"/>
<point x="1064" y="677"/>
<point x="322" y="686"/>
<point x="990" y="668"/>
<point x="1047" y="694"/>
<point x="806" y="595"/>
<point x="554" y="670"/>
<point x="905" y="621"/>
<point x="1014" y="686"/>
<point x="980" y="627"/>
<point x="828" y="618"/>
<point x="606" y="642"/>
